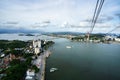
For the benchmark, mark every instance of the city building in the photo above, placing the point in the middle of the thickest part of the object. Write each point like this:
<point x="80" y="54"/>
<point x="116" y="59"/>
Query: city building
<point x="109" y="38"/>
<point x="117" y="39"/>
<point x="30" y="74"/>
<point x="37" y="46"/>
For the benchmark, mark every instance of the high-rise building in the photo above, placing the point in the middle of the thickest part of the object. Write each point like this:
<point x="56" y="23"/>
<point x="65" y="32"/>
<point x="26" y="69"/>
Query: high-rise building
<point x="37" y="46"/>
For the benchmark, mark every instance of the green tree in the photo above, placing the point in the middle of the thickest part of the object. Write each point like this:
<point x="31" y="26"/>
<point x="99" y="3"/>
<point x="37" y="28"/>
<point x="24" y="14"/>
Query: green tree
<point x="16" y="72"/>
<point x="35" y="68"/>
<point x="15" y="62"/>
<point x="28" y="61"/>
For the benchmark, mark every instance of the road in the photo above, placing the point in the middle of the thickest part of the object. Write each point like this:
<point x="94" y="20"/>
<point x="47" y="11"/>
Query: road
<point x="41" y="73"/>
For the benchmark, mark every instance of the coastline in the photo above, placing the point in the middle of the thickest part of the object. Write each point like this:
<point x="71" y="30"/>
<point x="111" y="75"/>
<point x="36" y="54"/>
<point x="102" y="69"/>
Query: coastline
<point x="45" y="55"/>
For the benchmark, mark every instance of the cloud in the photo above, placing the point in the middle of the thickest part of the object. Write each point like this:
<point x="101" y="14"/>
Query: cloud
<point x="52" y="14"/>
<point x="118" y="15"/>
<point x="101" y="19"/>
<point x="46" y="22"/>
<point x="12" y="22"/>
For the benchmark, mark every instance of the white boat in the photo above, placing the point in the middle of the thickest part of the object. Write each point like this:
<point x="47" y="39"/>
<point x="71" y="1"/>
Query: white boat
<point x="53" y="69"/>
<point x="68" y="47"/>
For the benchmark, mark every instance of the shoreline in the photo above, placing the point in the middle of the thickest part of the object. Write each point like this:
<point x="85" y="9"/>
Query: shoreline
<point x="107" y="42"/>
<point x="45" y="55"/>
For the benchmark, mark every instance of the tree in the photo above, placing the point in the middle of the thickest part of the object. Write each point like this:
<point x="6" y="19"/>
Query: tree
<point x="15" y="62"/>
<point x="16" y="72"/>
<point x="35" y="68"/>
<point x="28" y="61"/>
<point x="26" y="55"/>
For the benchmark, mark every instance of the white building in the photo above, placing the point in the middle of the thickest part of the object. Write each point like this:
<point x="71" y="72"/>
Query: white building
<point x="39" y="43"/>
<point x="117" y="39"/>
<point x="30" y="74"/>
<point x="37" y="46"/>
<point x="36" y="50"/>
<point x="109" y="37"/>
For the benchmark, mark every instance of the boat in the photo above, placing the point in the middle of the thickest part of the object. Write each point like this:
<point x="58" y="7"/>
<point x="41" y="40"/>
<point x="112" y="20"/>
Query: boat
<point x="68" y="47"/>
<point x="53" y="69"/>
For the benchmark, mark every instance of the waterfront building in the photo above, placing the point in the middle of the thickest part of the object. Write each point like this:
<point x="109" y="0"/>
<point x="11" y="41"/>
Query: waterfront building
<point x="109" y="38"/>
<point x="30" y="74"/>
<point x="37" y="46"/>
<point x="36" y="50"/>
<point x="117" y="39"/>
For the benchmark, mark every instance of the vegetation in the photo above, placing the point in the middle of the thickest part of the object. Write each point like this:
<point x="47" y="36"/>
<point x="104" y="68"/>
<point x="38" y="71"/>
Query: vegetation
<point x="17" y="44"/>
<point x="14" y="62"/>
<point x="35" y="68"/>
<point x="29" y="35"/>
<point x="16" y="71"/>
<point x="17" y="52"/>
<point x="28" y="61"/>
<point x="96" y="36"/>
<point x="26" y="55"/>
<point x="92" y="37"/>
<point x="78" y="38"/>
<point x="5" y="44"/>
<point x="47" y="45"/>
<point x="17" y="68"/>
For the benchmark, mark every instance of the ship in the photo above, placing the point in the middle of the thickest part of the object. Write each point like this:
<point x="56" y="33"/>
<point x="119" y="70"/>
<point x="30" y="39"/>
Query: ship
<point x="53" y="69"/>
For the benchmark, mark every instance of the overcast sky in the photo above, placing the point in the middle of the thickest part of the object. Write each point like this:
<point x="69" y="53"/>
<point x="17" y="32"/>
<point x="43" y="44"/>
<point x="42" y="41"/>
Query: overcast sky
<point x="58" y="15"/>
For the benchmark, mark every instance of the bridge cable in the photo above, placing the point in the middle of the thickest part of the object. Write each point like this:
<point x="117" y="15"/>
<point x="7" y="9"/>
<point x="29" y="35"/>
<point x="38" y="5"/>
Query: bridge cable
<point x="98" y="8"/>
<point x="113" y="28"/>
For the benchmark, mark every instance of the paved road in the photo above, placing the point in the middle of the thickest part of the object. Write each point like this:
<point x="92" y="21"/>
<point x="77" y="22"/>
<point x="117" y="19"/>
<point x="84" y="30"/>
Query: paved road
<point x="41" y="73"/>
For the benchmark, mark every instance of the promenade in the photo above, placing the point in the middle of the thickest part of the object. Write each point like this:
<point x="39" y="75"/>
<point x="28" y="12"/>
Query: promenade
<point x="42" y="58"/>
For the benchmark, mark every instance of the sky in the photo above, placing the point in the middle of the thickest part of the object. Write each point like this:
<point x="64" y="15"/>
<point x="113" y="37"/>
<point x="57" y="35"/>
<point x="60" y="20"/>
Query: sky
<point x="59" y="15"/>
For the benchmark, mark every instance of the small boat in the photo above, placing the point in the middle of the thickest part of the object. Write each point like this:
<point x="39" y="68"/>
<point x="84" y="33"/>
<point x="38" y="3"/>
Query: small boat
<point x="68" y="47"/>
<point x="53" y="69"/>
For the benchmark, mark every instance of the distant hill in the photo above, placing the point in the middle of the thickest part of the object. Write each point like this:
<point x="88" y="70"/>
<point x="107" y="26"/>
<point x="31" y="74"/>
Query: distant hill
<point x="64" y="33"/>
<point x="47" y="33"/>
